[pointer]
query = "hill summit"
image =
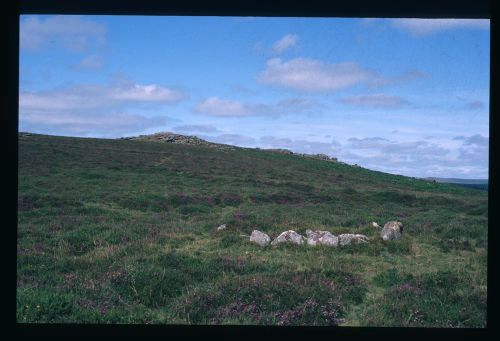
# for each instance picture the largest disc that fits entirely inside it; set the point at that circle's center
(169, 137)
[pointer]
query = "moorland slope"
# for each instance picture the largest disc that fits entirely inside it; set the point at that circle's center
(124, 231)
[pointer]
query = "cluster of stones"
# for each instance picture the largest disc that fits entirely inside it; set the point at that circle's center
(311, 156)
(313, 238)
(168, 137)
(391, 231)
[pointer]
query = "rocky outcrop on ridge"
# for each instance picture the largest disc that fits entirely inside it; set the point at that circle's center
(323, 157)
(168, 137)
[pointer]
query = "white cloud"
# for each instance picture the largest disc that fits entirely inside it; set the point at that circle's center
(97, 96)
(232, 139)
(458, 157)
(218, 107)
(285, 43)
(215, 106)
(71, 32)
(301, 145)
(203, 128)
(110, 124)
(367, 142)
(476, 139)
(98, 110)
(423, 27)
(377, 100)
(378, 80)
(313, 75)
(147, 93)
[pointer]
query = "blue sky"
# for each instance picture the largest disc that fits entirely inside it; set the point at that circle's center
(403, 96)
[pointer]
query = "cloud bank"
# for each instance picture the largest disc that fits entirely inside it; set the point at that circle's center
(311, 75)
(101, 110)
(113, 124)
(203, 128)
(215, 106)
(97, 96)
(461, 156)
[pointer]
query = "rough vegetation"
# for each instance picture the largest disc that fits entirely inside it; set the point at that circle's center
(125, 231)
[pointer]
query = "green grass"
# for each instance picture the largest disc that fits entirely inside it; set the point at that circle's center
(116, 231)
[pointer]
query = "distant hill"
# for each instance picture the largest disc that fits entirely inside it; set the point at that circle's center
(460, 181)
(481, 184)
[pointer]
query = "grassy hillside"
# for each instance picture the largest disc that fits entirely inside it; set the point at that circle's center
(119, 231)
